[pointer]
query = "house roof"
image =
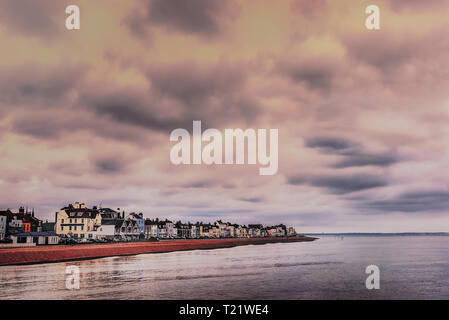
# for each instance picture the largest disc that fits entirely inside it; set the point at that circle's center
(107, 210)
(108, 213)
(81, 212)
(109, 223)
(5, 212)
(25, 217)
(138, 216)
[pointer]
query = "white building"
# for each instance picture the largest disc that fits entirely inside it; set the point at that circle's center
(41, 238)
(222, 229)
(230, 231)
(127, 229)
(193, 231)
(2, 227)
(106, 230)
(166, 229)
(138, 217)
(151, 229)
(291, 231)
(238, 231)
(169, 227)
(280, 232)
(15, 223)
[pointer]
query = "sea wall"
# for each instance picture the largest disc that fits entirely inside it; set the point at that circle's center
(58, 253)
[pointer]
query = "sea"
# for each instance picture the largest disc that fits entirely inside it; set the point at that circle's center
(332, 267)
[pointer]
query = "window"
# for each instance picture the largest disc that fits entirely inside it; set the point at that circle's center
(62, 220)
(70, 227)
(70, 220)
(75, 227)
(62, 228)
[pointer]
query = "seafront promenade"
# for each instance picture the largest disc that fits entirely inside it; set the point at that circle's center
(46, 254)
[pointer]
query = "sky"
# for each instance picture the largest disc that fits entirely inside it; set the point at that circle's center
(86, 115)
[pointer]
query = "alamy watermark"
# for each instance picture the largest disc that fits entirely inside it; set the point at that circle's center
(191, 151)
(372, 21)
(72, 22)
(373, 280)
(72, 279)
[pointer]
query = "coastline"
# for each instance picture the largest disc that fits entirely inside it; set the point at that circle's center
(61, 253)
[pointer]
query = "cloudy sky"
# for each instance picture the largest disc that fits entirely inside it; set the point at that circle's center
(362, 115)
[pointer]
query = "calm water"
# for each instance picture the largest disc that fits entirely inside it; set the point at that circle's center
(329, 268)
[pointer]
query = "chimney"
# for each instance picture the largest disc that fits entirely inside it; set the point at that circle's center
(32, 213)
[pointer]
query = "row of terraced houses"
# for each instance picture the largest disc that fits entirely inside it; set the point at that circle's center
(77, 221)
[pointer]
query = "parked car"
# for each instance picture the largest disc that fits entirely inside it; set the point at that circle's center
(71, 241)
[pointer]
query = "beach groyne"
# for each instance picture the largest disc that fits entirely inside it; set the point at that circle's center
(59, 253)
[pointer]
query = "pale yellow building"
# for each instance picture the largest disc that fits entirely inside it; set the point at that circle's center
(76, 221)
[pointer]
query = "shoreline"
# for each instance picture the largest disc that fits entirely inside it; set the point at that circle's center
(62, 253)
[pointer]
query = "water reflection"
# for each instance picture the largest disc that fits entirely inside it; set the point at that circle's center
(411, 267)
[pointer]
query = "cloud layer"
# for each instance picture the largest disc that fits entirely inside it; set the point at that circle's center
(362, 116)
